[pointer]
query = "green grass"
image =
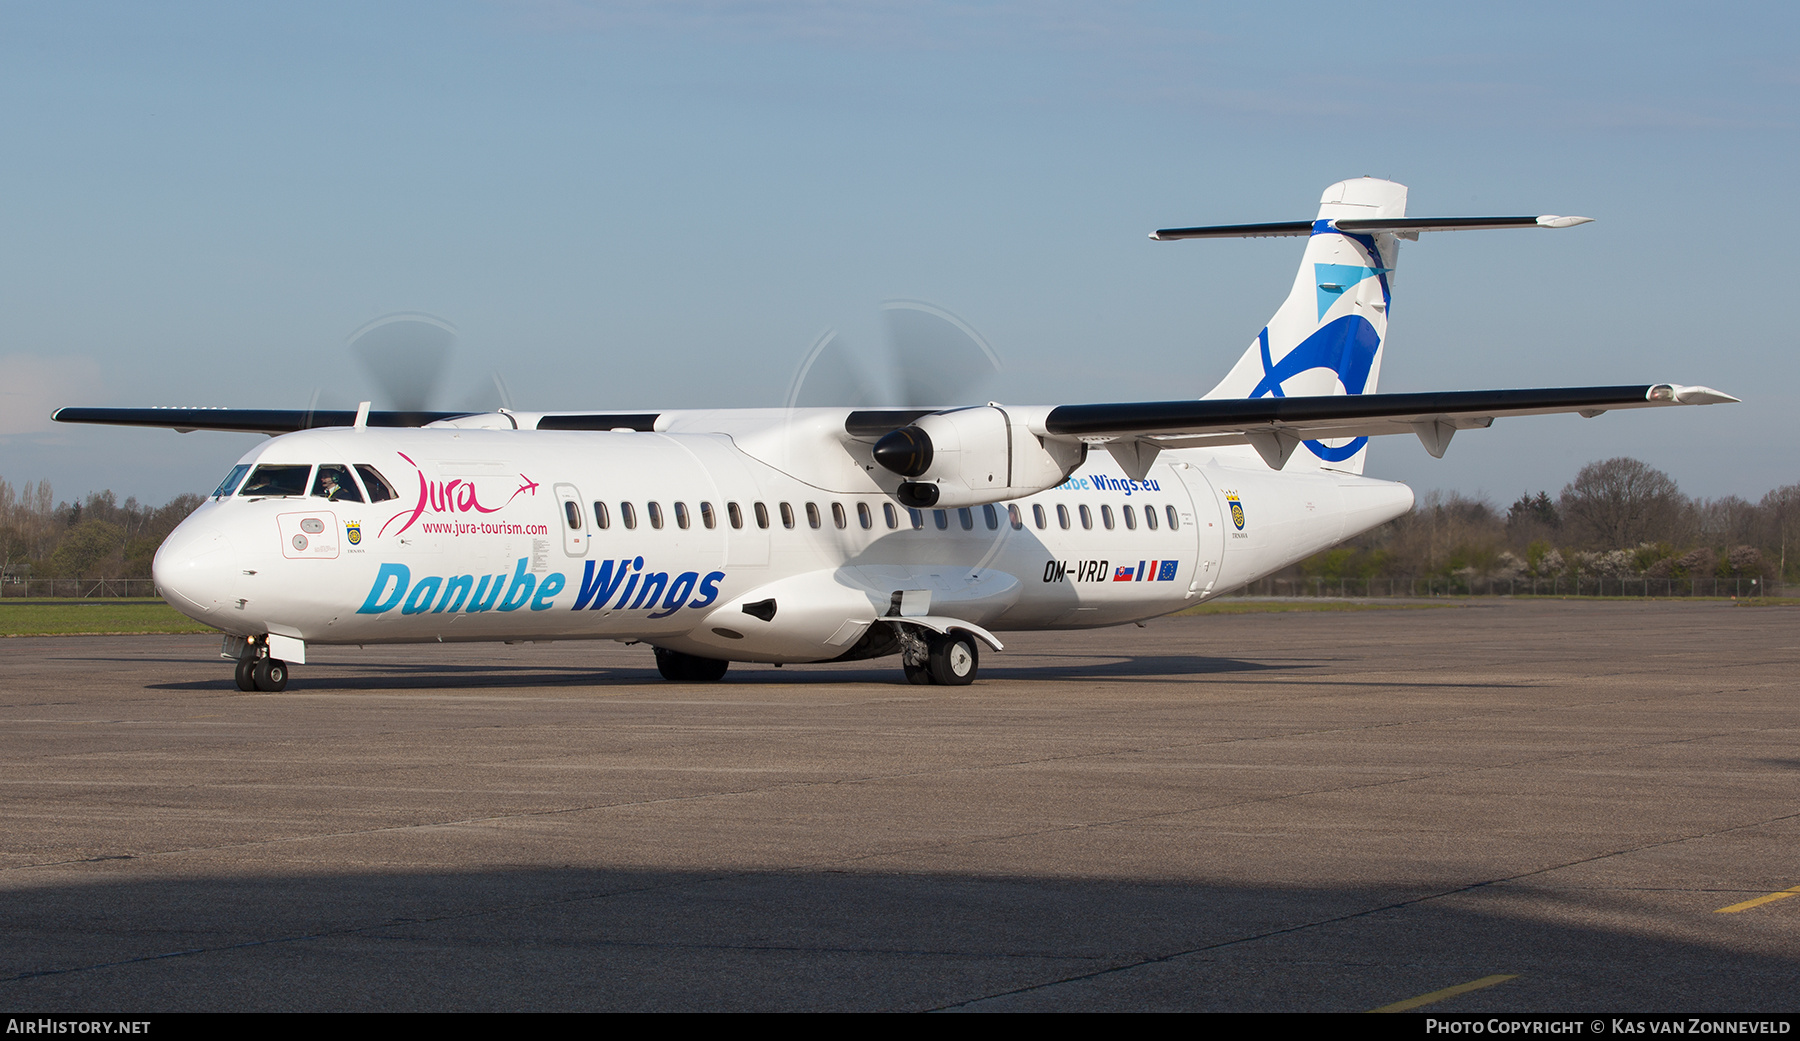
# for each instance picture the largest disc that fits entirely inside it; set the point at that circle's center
(1283, 606)
(41, 617)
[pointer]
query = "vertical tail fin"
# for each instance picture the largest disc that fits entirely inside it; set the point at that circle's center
(1327, 335)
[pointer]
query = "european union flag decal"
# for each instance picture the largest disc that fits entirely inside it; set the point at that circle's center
(1167, 572)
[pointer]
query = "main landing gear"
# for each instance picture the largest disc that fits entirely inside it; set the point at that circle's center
(268, 675)
(677, 667)
(948, 659)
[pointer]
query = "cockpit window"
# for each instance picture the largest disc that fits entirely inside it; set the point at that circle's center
(379, 489)
(276, 480)
(230, 483)
(334, 483)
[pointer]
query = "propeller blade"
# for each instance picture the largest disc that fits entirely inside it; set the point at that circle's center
(489, 396)
(406, 355)
(939, 359)
(833, 374)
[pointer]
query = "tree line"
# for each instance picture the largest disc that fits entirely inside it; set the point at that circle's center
(93, 538)
(1620, 519)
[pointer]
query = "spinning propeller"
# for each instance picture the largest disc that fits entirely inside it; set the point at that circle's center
(406, 356)
(927, 358)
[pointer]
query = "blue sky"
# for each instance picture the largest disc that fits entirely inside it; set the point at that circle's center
(663, 204)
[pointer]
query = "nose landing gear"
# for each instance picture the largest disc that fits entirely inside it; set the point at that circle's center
(256, 671)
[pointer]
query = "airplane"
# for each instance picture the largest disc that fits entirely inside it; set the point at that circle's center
(798, 535)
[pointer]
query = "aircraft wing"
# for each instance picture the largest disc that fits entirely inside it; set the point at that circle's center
(274, 421)
(1275, 425)
(244, 420)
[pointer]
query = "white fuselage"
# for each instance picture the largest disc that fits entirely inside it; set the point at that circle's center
(697, 536)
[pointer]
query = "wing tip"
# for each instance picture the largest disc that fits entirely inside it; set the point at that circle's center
(1691, 395)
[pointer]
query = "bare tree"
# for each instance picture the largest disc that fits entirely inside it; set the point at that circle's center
(1621, 502)
(1781, 512)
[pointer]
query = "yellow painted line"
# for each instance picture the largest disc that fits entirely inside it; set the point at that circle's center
(1440, 995)
(1767, 898)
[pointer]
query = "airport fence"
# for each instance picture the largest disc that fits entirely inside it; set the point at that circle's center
(1478, 585)
(78, 588)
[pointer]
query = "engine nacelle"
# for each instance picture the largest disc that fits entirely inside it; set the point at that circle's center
(971, 456)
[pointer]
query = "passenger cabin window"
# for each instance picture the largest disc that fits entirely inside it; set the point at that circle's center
(379, 488)
(1149, 517)
(942, 519)
(1130, 517)
(230, 483)
(1106, 517)
(1062, 516)
(1087, 517)
(838, 517)
(681, 515)
(1173, 522)
(918, 518)
(707, 516)
(812, 514)
(601, 520)
(572, 513)
(787, 516)
(1037, 517)
(628, 515)
(863, 517)
(735, 514)
(655, 512)
(891, 515)
(275, 480)
(992, 516)
(762, 515)
(334, 484)
(967, 517)
(1017, 518)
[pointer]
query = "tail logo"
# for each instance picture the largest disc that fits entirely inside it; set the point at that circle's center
(1347, 346)
(1334, 280)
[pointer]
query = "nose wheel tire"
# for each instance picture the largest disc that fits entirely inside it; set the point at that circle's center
(954, 660)
(245, 675)
(271, 675)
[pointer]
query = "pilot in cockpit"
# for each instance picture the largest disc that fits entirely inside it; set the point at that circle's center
(334, 485)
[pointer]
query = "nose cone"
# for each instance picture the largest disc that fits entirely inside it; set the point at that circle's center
(196, 571)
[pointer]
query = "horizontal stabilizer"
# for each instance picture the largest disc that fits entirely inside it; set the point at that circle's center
(1404, 226)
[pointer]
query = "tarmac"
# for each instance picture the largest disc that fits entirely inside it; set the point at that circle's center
(1497, 805)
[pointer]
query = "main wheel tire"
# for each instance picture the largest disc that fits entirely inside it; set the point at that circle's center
(271, 675)
(245, 674)
(954, 660)
(677, 667)
(918, 675)
(706, 670)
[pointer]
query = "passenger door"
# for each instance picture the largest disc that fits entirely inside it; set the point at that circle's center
(573, 521)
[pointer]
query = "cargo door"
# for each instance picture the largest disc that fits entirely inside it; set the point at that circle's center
(1204, 521)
